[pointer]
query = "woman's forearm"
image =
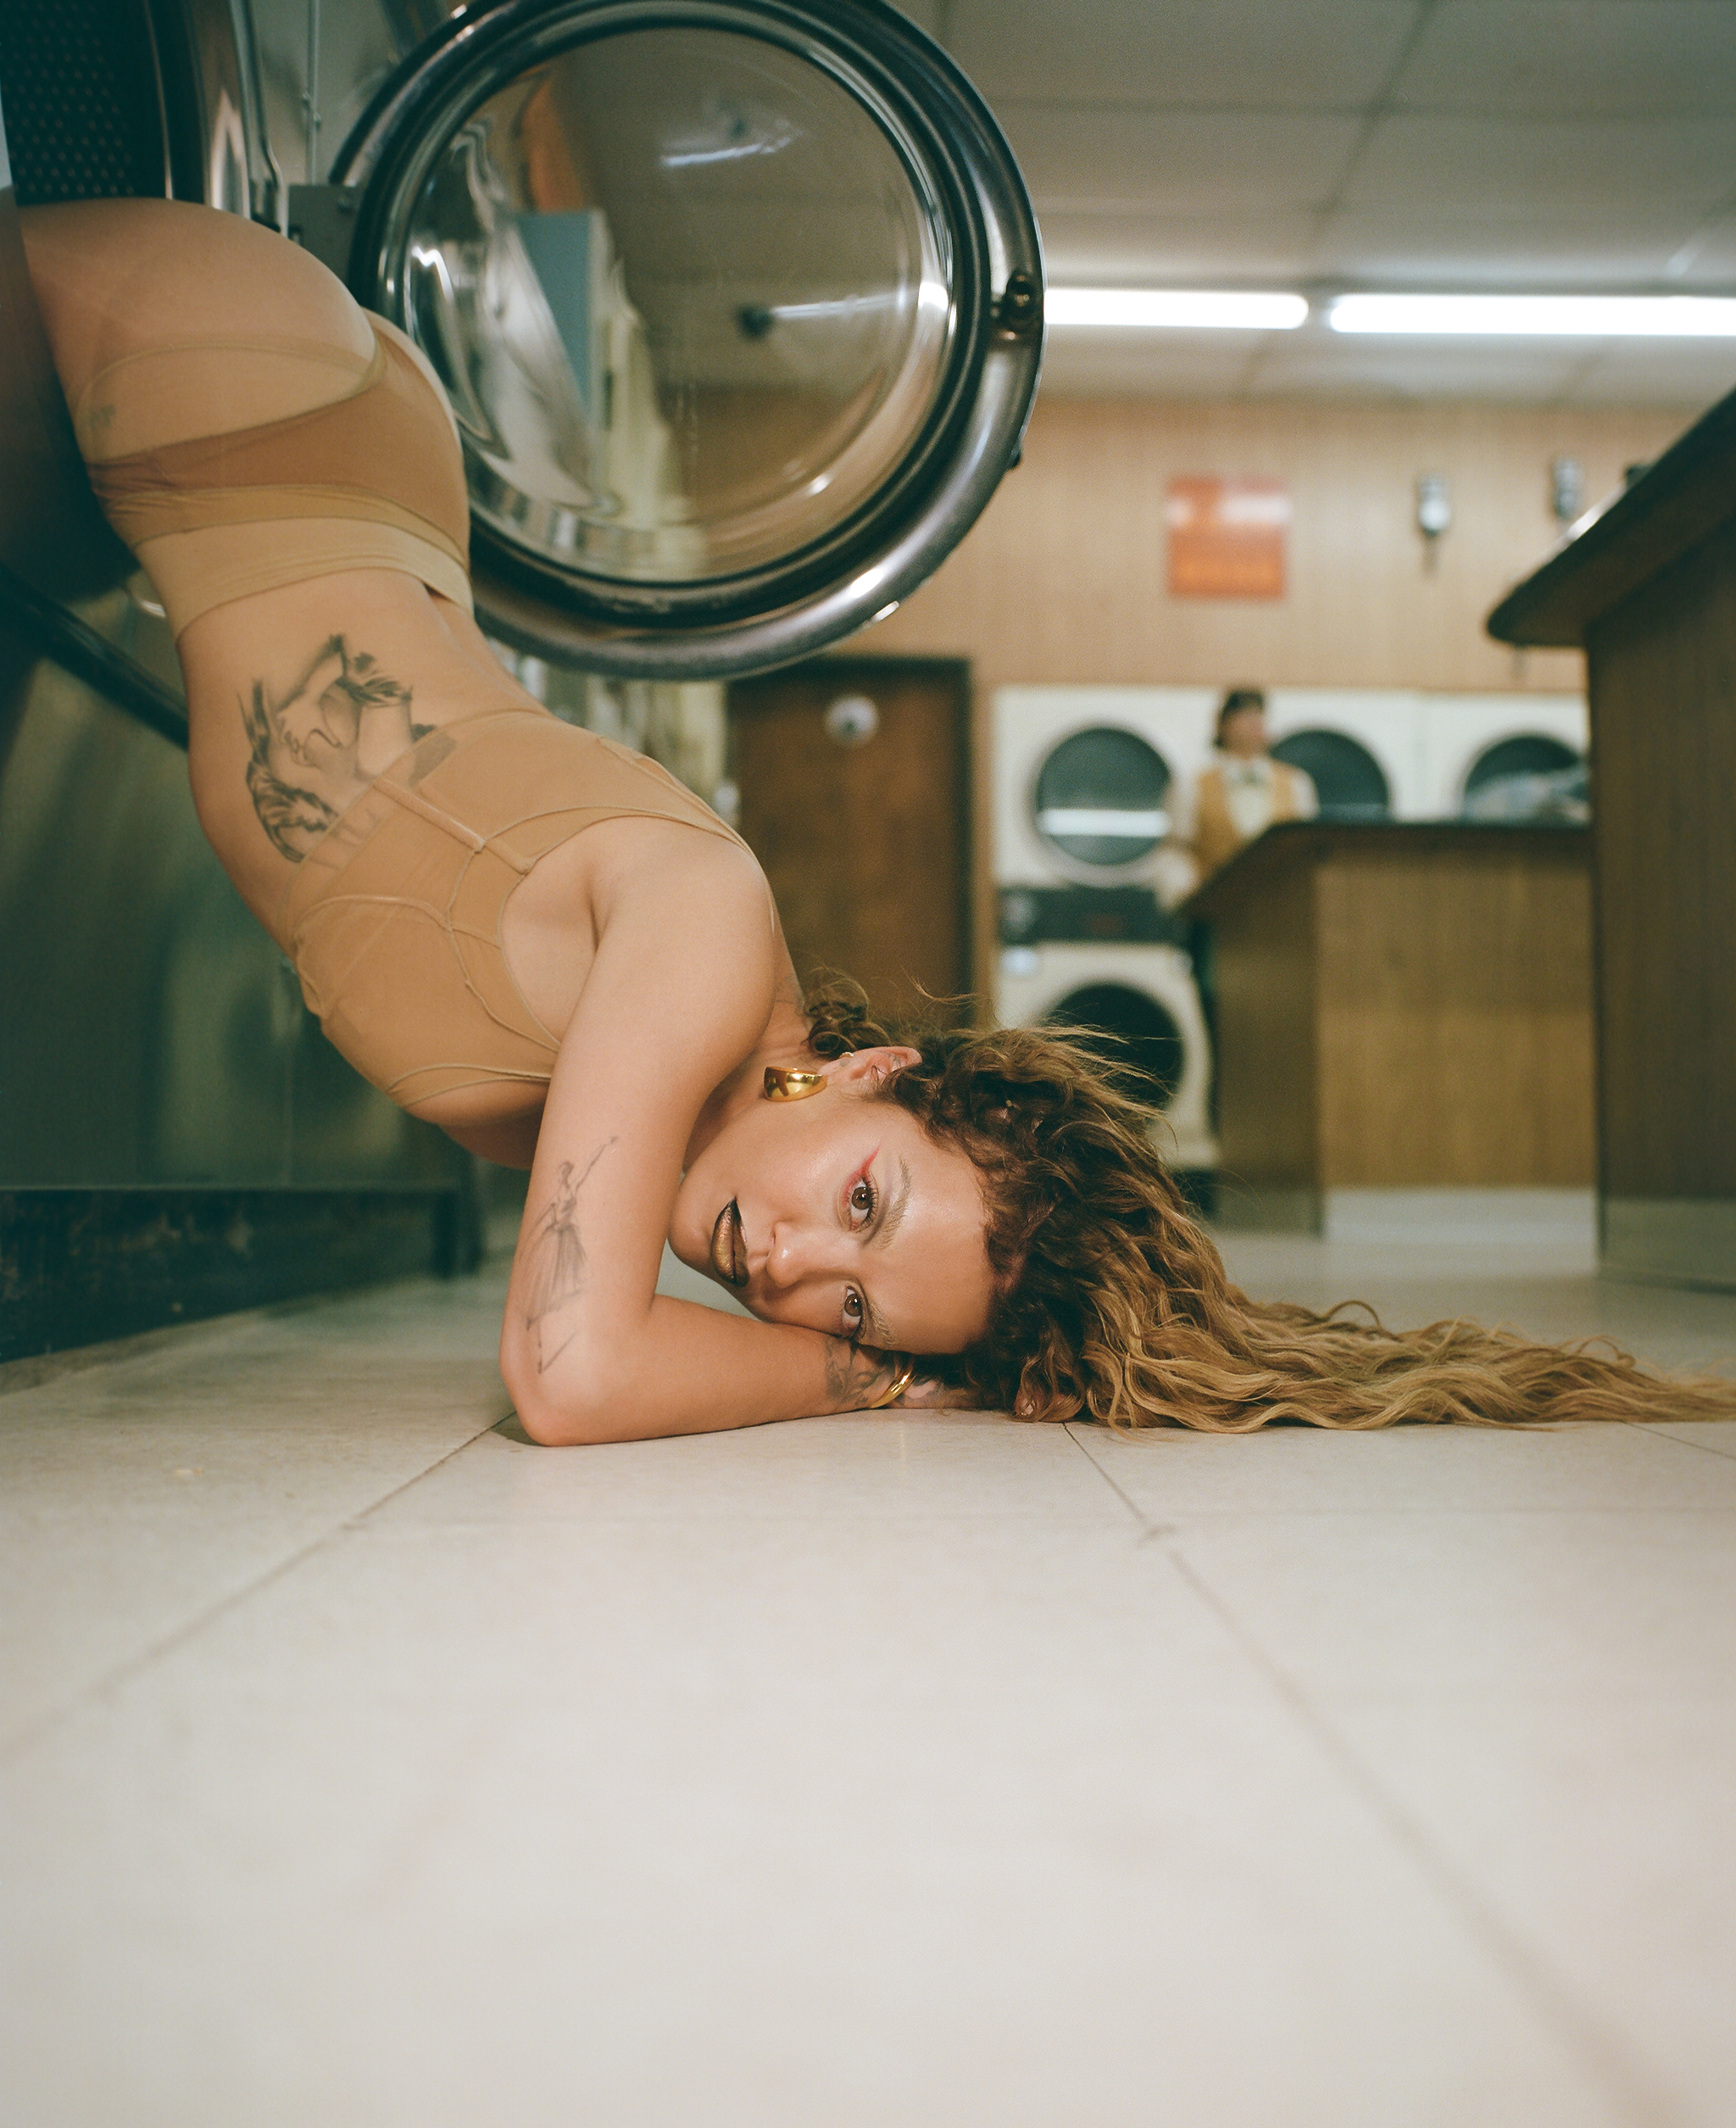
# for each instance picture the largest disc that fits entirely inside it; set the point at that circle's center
(684, 1369)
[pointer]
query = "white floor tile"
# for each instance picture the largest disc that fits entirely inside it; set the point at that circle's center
(892, 1466)
(371, 1767)
(135, 1497)
(1169, 1474)
(1545, 1291)
(1717, 1437)
(1623, 1603)
(1603, 1832)
(666, 1821)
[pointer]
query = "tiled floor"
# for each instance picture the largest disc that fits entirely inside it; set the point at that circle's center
(364, 1765)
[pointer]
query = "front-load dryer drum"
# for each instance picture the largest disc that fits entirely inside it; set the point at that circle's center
(1143, 998)
(738, 304)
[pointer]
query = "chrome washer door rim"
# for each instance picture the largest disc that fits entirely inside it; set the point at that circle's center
(823, 589)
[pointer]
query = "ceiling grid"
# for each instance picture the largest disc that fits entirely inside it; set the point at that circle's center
(1524, 146)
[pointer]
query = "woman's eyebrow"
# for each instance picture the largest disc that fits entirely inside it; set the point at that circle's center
(894, 1212)
(877, 1325)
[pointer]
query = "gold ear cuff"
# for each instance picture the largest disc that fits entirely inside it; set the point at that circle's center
(781, 1085)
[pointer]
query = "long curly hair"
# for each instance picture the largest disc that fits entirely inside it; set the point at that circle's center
(1112, 1302)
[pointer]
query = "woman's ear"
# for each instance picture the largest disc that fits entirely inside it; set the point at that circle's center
(872, 1067)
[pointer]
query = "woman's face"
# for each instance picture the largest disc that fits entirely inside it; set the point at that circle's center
(839, 1213)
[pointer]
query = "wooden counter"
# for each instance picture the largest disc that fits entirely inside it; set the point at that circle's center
(1399, 1006)
(1649, 587)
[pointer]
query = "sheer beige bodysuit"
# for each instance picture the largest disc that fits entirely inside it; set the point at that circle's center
(393, 917)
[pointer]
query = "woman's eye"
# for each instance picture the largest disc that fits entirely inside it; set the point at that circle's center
(862, 1198)
(853, 1310)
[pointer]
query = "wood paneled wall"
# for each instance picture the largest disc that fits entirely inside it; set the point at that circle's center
(1663, 667)
(1063, 579)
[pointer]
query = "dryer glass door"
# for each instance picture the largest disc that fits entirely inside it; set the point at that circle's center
(738, 302)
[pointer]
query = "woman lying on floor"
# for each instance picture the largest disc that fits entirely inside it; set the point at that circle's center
(541, 942)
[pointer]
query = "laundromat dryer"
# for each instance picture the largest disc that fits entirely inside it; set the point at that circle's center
(1082, 781)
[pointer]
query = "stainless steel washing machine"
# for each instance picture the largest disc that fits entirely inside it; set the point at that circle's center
(738, 302)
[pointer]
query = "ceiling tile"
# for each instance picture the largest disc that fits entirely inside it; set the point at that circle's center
(1572, 168)
(1424, 244)
(1570, 59)
(1194, 249)
(1323, 55)
(1319, 362)
(1205, 162)
(1692, 373)
(1150, 365)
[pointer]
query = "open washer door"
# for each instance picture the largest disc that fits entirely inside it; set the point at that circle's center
(738, 304)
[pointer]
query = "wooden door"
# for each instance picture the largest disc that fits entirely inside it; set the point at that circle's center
(855, 784)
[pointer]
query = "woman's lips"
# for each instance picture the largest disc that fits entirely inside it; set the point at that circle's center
(729, 1256)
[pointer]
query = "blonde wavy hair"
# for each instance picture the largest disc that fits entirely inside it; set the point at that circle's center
(1113, 1302)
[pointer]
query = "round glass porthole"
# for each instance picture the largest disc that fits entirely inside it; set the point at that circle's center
(1347, 780)
(738, 304)
(1529, 754)
(1098, 800)
(690, 307)
(1142, 1045)
(1530, 776)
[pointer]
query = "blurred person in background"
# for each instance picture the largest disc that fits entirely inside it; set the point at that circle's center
(1240, 793)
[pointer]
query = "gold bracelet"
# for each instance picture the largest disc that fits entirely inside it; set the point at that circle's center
(900, 1382)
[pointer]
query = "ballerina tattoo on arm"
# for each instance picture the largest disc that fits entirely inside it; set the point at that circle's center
(557, 1263)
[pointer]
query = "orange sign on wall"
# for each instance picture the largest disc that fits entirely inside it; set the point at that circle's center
(1226, 536)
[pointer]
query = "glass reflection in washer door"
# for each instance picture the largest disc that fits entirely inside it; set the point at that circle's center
(690, 303)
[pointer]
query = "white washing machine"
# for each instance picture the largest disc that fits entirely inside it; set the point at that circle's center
(1461, 732)
(1081, 782)
(1426, 743)
(1030, 724)
(1143, 992)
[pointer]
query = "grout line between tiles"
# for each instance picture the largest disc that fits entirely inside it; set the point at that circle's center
(1555, 2003)
(1631, 2081)
(1700, 1447)
(1149, 1530)
(119, 1674)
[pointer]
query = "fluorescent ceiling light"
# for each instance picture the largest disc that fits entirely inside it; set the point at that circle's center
(1186, 308)
(1600, 317)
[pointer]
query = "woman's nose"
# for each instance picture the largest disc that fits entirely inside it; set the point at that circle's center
(795, 1255)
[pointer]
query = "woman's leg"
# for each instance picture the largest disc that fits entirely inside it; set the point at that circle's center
(168, 322)
(117, 279)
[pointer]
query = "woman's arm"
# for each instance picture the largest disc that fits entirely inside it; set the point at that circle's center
(678, 995)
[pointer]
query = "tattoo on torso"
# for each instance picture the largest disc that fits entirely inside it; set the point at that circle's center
(555, 1267)
(317, 748)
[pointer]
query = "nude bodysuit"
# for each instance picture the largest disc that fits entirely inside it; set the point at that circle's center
(393, 918)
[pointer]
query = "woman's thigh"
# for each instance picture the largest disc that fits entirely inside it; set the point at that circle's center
(117, 279)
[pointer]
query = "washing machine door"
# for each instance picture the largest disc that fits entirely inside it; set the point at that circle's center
(738, 304)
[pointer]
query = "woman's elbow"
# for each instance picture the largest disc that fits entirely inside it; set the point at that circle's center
(565, 1406)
